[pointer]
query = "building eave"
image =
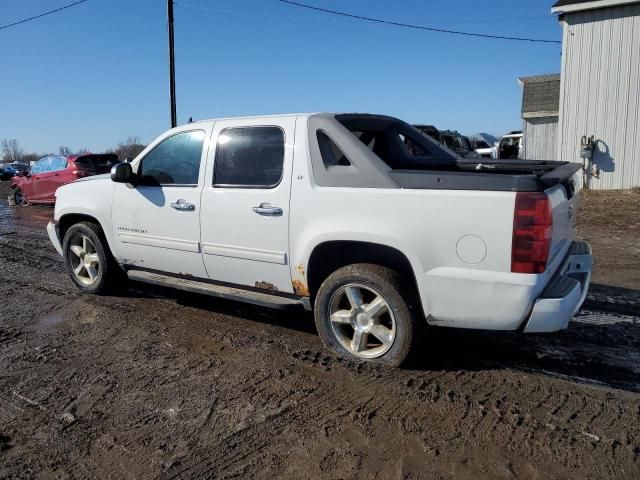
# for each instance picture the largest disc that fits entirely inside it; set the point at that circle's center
(578, 7)
(526, 115)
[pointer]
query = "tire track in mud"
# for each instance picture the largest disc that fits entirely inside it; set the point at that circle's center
(564, 410)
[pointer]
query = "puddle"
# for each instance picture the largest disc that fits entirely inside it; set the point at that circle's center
(7, 225)
(31, 217)
(50, 320)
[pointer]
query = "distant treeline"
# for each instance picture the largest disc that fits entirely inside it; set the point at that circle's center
(12, 151)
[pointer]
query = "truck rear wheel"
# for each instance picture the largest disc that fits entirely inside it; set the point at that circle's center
(87, 258)
(361, 313)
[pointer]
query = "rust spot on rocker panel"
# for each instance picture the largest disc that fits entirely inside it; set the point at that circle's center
(130, 261)
(266, 286)
(300, 288)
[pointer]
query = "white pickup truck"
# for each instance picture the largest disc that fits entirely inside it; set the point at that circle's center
(360, 218)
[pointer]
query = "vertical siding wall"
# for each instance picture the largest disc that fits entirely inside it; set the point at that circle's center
(540, 138)
(600, 92)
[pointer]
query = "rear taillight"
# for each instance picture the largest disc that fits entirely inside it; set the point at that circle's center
(79, 173)
(532, 229)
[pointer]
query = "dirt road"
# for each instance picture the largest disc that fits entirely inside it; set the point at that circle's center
(150, 383)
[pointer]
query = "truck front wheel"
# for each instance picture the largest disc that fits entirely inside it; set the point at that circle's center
(361, 313)
(87, 258)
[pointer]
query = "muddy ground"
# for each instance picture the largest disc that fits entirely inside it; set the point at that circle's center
(150, 383)
(610, 221)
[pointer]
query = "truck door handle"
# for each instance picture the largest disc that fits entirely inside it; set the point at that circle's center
(267, 210)
(183, 206)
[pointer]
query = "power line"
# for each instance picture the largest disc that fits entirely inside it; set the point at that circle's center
(236, 12)
(419, 27)
(432, 22)
(42, 15)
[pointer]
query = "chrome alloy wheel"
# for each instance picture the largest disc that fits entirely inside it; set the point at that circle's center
(362, 320)
(84, 259)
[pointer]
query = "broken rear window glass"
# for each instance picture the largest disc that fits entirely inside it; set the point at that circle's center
(100, 163)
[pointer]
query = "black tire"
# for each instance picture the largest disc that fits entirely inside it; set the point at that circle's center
(19, 198)
(107, 270)
(401, 302)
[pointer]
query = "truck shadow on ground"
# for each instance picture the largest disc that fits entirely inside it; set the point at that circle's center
(597, 354)
(601, 349)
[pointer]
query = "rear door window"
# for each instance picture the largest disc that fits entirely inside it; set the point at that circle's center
(250, 157)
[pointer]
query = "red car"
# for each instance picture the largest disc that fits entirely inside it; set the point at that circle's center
(39, 185)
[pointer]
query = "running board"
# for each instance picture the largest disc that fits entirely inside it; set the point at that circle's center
(215, 290)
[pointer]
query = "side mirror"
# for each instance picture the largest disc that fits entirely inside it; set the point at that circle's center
(122, 173)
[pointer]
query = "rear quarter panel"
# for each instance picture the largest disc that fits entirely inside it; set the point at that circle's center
(432, 228)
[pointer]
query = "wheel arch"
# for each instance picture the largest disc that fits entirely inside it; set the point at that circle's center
(69, 219)
(329, 256)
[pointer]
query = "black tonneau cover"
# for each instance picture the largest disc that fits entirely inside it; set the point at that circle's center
(494, 175)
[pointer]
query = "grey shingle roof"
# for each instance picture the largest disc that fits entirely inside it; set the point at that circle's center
(541, 95)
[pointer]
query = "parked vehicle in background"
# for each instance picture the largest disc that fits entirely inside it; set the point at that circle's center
(451, 139)
(483, 144)
(39, 184)
(431, 131)
(360, 218)
(10, 170)
(458, 143)
(510, 146)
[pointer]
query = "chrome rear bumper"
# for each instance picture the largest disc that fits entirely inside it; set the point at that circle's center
(565, 293)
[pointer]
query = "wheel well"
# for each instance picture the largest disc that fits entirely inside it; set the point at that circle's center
(328, 257)
(70, 219)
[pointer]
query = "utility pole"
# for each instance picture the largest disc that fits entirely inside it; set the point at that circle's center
(172, 65)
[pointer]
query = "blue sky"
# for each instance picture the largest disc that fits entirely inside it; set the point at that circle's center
(94, 74)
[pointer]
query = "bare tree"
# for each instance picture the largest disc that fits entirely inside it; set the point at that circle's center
(30, 157)
(11, 150)
(130, 148)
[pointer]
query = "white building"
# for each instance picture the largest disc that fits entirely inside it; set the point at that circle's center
(600, 88)
(540, 110)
